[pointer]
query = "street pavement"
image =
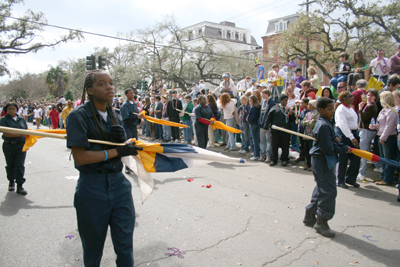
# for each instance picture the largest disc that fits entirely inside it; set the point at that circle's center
(251, 216)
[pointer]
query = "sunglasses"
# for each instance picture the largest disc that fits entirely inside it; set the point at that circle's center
(341, 86)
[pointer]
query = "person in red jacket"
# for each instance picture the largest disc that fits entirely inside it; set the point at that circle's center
(54, 117)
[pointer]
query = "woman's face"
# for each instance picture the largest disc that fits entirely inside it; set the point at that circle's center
(397, 99)
(102, 89)
(290, 93)
(349, 100)
(371, 98)
(326, 93)
(251, 102)
(226, 79)
(357, 56)
(11, 110)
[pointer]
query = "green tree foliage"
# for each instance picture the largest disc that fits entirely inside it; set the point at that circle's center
(69, 95)
(21, 36)
(336, 26)
(57, 79)
(25, 85)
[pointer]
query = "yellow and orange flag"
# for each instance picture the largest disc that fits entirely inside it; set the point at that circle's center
(31, 140)
(163, 122)
(222, 126)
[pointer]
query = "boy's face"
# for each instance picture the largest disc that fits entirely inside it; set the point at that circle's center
(284, 102)
(298, 74)
(303, 104)
(327, 112)
(264, 96)
(343, 59)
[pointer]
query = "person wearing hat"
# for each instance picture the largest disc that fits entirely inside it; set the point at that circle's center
(173, 115)
(260, 72)
(299, 77)
(289, 69)
(253, 85)
(228, 85)
(309, 122)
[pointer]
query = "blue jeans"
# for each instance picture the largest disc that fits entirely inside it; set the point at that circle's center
(245, 136)
(366, 137)
(388, 151)
(188, 132)
(231, 140)
(263, 143)
(338, 79)
(255, 134)
(167, 132)
(159, 131)
(295, 128)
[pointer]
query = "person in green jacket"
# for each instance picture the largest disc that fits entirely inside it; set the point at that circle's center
(359, 68)
(185, 118)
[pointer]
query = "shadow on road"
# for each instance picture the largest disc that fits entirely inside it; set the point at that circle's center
(220, 165)
(13, 203)
(369, 250)
(375, 192)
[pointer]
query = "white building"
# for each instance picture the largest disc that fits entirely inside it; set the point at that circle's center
(225, 35)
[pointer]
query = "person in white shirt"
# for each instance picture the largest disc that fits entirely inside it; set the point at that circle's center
(195, 90)
(296, 90)
(346, 128)
(25, 112)
(253, 86)
(202, 85)
(62, 100)
(277, 90)
(244, 85)
(380, 68)
(37, 113)
(228, 106)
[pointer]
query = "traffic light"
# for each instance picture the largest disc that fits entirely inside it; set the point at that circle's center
(102, 62)
(145, 86)
(139, 85)
(90, 62)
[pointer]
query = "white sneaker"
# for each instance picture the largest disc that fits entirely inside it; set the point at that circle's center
(254, 159)
(378, 170)
(242, 151)
(177, 141)
(361, 177)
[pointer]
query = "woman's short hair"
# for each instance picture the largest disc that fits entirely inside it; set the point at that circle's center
(388, 98)
(361, 83)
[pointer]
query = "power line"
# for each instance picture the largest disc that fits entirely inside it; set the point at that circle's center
(267, 10)
(249, 11)
(130, 40)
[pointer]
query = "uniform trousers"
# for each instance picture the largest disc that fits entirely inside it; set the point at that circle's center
(280, 140)
(175, 130)
(201, 133)
(102, 200)
(15, 160)
(323, 199)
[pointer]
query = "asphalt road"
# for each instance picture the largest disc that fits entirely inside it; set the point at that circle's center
(251, 216)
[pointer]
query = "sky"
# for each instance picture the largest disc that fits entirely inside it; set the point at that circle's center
(124, 16)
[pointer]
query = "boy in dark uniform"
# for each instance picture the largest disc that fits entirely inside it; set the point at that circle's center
(324, 158)
(12, 148)
(173, 115)
(280, 116)
(130, 120)
(203, 114)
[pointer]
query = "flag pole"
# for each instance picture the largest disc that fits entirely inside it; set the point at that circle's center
(51, 135)
(292, 132)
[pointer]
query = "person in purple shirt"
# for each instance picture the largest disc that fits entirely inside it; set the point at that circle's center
(299, 78)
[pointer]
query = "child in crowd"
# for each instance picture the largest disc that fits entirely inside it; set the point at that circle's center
(309, 122)
(303, 107)
(252, 119)
(344, 70)
(280, 116)
(243, 111)
(324, 158)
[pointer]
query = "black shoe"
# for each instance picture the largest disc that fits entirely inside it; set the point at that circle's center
(272, 164)
(398, 198)
(285, 163)
(11, 187)
(322, 228)
(21, 190)
(343, 185)
(356, 185)
(298, 159)
(309, 219)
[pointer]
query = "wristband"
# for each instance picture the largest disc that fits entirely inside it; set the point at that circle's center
(105, 152)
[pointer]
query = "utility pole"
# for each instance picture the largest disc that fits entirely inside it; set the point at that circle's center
(308, 41)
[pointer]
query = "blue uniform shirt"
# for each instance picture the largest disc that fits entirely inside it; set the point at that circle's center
(20, 123)
(81, 126)
(127, 110)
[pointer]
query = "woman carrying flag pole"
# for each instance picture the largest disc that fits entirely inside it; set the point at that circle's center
(103, 195)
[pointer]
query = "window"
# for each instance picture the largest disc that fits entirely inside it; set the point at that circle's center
(251, 56)
(271, 49)
(233, 35)
(223, 33)
(240, 36)
(281, 26)
(260, 55)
